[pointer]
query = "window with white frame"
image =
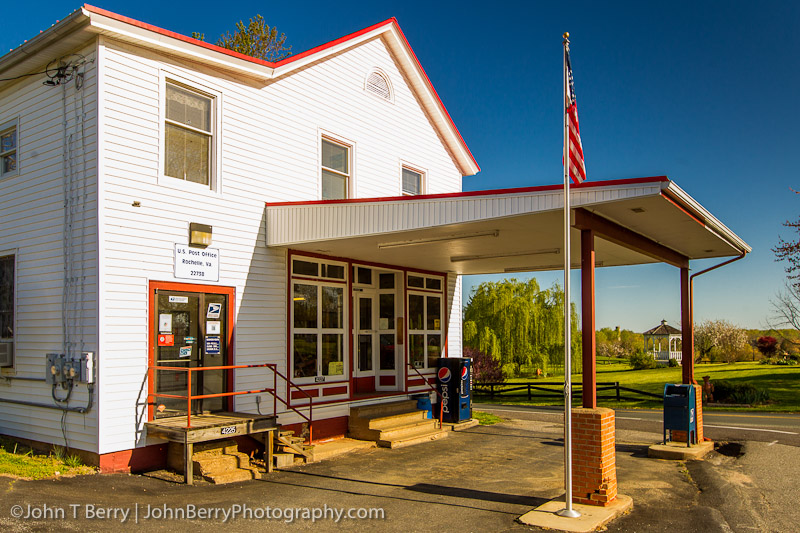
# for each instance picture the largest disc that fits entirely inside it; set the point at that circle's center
(318, 312)
(8, 149)
(412, 182)
(189, 135)
(425, 324)
(335, 170)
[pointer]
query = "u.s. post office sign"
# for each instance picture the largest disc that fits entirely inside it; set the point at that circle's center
(196, 263)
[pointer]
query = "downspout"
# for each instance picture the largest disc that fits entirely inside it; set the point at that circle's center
(691, 294)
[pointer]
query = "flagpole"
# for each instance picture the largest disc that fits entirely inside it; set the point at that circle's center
(567, 512)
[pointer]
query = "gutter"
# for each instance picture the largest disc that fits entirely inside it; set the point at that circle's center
(711, 223)
(73, 22)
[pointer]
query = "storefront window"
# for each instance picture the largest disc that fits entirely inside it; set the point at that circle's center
(318, 323)
(425, 328)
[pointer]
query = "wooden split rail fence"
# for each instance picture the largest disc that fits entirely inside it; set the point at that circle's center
(544, 389)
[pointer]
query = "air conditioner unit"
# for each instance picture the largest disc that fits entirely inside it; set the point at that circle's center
(6, 354)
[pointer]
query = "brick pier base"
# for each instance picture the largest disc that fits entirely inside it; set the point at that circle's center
(594, 469)
(680, 436)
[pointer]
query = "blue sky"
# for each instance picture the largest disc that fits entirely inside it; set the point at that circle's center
(703, 92)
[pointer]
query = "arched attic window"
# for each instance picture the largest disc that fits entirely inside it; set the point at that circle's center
(377, 84)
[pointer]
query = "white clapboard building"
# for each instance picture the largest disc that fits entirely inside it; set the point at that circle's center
(169, 203)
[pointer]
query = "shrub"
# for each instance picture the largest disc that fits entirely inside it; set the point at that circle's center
(729, 392)
(673, 363)
(509, 370)
(485, 368)
(640, 360)
(767, 345)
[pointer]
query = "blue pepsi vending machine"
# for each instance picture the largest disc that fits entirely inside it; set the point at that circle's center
(455, 388)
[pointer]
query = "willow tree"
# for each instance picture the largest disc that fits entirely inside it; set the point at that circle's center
(518, 322)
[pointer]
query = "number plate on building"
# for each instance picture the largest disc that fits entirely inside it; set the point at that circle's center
(230, 430)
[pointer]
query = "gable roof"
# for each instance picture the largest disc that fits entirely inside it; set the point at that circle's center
(88, 21)
(663, 329)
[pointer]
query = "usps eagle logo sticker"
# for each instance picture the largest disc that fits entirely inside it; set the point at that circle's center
(444, 375)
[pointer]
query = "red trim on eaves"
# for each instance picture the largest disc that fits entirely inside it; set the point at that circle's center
(435, 94)
(333, 43)
(167, 33)
(209, 46)
(290, 59)
(467, 194)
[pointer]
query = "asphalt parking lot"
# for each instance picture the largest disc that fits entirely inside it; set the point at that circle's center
(480, 479)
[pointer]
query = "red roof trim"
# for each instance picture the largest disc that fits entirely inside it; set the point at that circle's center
(435, 94)
(290, 59)
(174, 35)
(335, 42)
(467, 194)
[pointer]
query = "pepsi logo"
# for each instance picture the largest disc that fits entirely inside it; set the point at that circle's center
(464, 373)
(444, 375)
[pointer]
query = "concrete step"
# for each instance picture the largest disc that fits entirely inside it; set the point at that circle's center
(232, 476)
(337, 447)
(407, 430)
(410, 440)
(391, 421)
(383, 409)
(212, 463)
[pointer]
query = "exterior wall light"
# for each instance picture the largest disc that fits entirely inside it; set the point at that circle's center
(199, 235)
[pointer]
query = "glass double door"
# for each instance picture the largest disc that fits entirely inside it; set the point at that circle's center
(377, 353)
(191, 331)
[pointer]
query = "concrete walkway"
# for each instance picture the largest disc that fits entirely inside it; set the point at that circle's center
(480, 479)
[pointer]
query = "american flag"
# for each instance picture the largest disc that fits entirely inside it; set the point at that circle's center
(577, 170)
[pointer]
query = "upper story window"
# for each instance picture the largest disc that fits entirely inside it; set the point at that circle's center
(8, 149)
(412, 182)
(335, 170)
(189, 135)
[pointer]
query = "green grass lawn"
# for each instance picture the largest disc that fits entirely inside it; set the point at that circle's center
(782, 382)
(17, 460)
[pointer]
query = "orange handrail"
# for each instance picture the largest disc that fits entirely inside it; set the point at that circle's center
(189, 397)
(438, 394)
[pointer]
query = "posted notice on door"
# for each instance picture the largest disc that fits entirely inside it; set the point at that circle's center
(196, 263)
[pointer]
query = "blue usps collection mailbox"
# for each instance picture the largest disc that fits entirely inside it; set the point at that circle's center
(679, 415)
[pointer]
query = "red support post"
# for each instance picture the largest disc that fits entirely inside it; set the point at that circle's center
(687, 328)
(588, 320)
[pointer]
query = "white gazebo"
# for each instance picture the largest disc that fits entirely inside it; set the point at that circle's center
(664, 342)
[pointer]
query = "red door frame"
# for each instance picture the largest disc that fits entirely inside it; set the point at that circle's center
(153, 286)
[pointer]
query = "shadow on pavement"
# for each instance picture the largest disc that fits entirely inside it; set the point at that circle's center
(422, 488)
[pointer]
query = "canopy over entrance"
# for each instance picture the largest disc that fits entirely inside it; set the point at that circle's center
(637, 221)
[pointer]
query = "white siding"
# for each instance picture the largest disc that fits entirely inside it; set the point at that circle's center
(32, 227)
(269, 139)
(454, 312)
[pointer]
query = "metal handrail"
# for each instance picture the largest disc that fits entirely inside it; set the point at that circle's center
(438, 394)
(189, 397)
